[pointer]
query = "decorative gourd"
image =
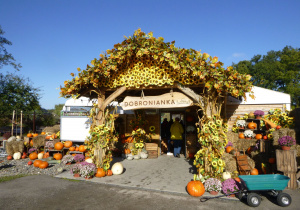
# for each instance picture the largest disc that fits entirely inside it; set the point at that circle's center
(58, 146)
(254, 171)
(29, 135)
(31, 143)
(29, 163)
(89, 160)
(40, 155)
(117, 168)
(43, 133)
(258, 136)
(54, 136)
(100, 172)
(252, 125)
(241, 136)
(57, 156)
(127, 151)
(24, 155)
(109, 172)
(270, 123)
(46, 155)
(72, 148)
(68, 144)
(17, 155)
(37, 163)
(43, 164)
(81, 148)
(35, 135)
(144, 155)
(272, 160)
(226, 175)
(195, 188)
(278, 127)
(33, 156)
(9, 157)
(48, 137)
(228, 149)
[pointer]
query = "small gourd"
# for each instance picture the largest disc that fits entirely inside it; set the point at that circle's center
(226, 175)
(89, 160)
(144, 155)
(117, 168)
(40, 155)
(17, 155)
(136, 157)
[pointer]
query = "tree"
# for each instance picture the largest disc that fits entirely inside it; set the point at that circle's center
(5, 57)
(16, 93)
(278, 70)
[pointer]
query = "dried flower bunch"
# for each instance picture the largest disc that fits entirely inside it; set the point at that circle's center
(79, 158)
(241, 123)
(286, 141)
(31, 150)
(87, 170)
(213, 184)
(229, 186)
(49, 144)
(67, 159)
(259, 113)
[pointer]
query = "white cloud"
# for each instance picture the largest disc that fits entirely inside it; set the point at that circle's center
(238, 55)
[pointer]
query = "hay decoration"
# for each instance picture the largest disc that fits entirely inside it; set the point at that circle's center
(14, 146)
(52, 130)
(38, 141)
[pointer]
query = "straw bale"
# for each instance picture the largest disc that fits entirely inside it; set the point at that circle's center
(233, 138)
(39, 141)
(14, 146)
(51, 130)
(231, 164)
(283, 132)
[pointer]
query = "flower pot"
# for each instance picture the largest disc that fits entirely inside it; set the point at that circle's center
(285, 148)
(76, 175)
(241, 127)
(68, 163)
(232, 195)
(213, 192)
(247, 137)
(88, 177)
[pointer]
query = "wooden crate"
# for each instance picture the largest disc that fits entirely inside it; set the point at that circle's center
(151, 146)
(152, 154)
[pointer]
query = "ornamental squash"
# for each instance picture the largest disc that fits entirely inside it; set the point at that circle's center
(17, 155)
(195, 188)
(226, 175)
(117, 168)
(58, 146)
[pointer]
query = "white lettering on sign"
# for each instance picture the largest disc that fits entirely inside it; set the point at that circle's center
(168, 100)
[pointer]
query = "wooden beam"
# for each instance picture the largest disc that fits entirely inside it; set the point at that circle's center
(189, 92)
(114, 95)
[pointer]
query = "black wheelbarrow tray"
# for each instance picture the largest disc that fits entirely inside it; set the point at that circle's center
(253, 185)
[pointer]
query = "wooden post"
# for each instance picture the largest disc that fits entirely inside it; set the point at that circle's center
(12, 123)
(286, 162)
(21, 124)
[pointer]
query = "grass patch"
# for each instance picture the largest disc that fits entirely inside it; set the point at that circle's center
(9, 178)
(72, 180)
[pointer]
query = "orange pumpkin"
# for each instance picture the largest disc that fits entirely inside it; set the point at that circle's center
(57, 156)
(68, 144)
(272, 160)
(37, 163)
(254, 171)
(81, 148)
(195, 188)
(58, 146)
(9, 157)
(33, 156)
(252, 125)
(35, 135)
(265, 137)
(109, 172)
(48, 137)
(258, 136)
(127, 151)
(46, 155)
(43, 133)
(54, 136)
(100, 172)
(278, 127)
(72, 148)
(241, 136)
(77, 149)
(29, 135)
(43, 164)
(31, 143)
(237, 179)
(228, 149)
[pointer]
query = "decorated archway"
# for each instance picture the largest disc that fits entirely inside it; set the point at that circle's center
(144, 62)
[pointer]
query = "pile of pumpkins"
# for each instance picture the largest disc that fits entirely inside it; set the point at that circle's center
(143, 154)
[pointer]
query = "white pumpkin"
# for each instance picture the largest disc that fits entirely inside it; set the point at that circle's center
(130, 158)
(136, 157)
(40, 155)
(144, 155)
(89, 160)
(17, 155)
(117, 168)
(226, 175)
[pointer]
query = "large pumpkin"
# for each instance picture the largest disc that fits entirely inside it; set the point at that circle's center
(117, 168)
(241, 136)
(57, 156)
(100, 172)
(81, 148)
(29, 135)
(33, 156)
(195, 188)
(254, 171)
(68, 144)
(37, 163)
(58, 146)
(252, 125)
(43, 164)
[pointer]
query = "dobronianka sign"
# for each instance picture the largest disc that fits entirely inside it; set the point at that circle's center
(168, 100)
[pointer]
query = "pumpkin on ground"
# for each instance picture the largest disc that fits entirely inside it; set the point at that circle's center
(37, 163)
(33, 156)
(17, 155)
(57, 156)
(100, 172)
(9, 157)
(117, 168)
(43, 164)
(81, 148)
(68, 144)
(195, 188)
(58, 146)
(254, 171)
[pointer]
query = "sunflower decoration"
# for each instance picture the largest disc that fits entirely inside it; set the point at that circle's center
(280, 118)
(152, 128)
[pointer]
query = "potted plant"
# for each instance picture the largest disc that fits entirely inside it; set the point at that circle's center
(248, 134)
(258, 114)
(79, 158)
(75, 170)
(67, 159)
(241, 124)
(31, 150)
(230, 186)
(286, 142)
(213, 186)
(49, 145)
(87, 170)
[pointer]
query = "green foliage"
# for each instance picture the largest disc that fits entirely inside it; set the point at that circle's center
(278, 70)
(16, 93)
(5, 57)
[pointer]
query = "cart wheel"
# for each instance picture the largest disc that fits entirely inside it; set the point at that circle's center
(284, 199)
(253, 200)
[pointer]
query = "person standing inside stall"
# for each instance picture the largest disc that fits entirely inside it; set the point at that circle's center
(176, 135)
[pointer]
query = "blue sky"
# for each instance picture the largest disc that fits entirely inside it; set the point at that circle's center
(51, 38)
